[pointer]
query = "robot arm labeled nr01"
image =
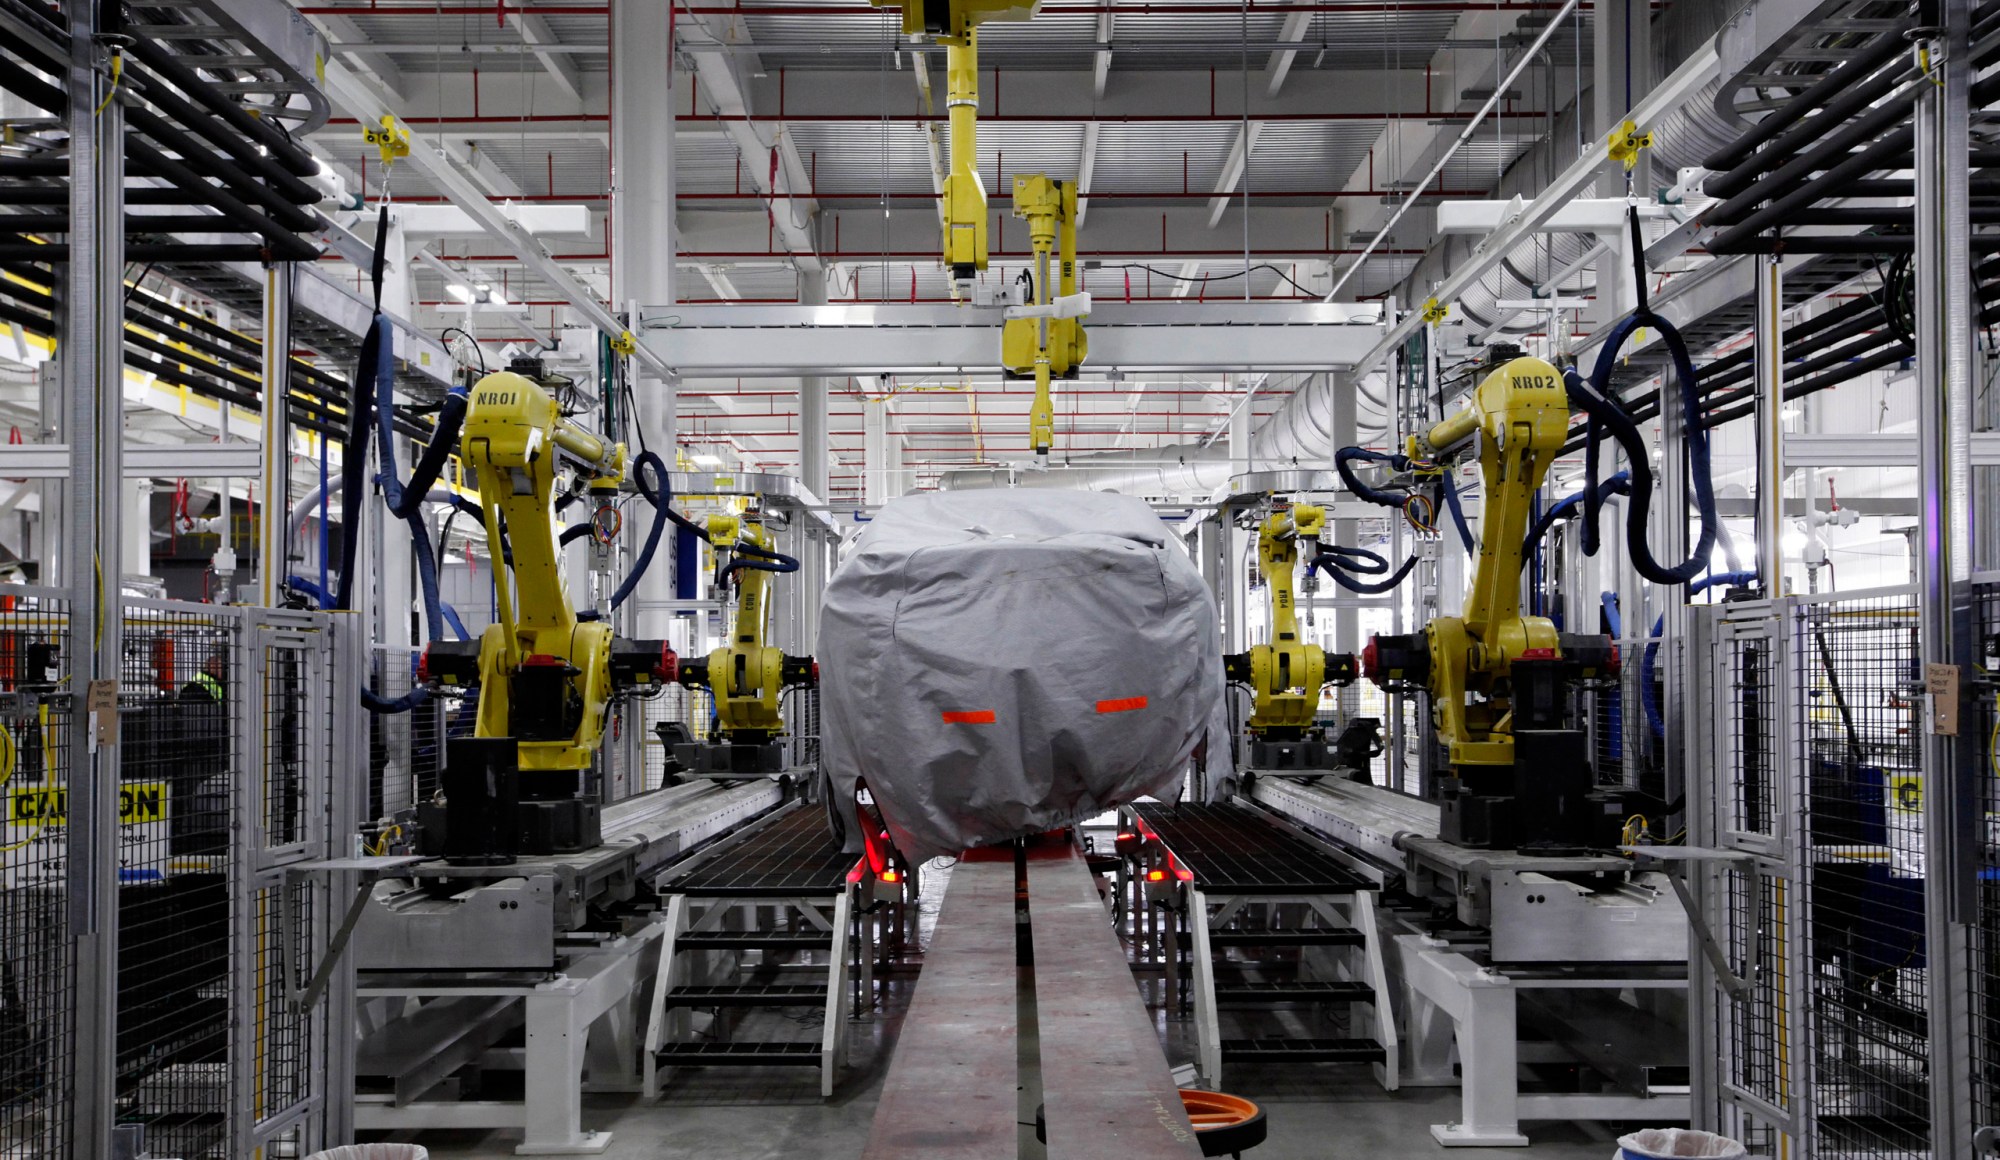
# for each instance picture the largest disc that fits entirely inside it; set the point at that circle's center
(1286, 674)
(523, 783)
(1501, 684)
(746, 677)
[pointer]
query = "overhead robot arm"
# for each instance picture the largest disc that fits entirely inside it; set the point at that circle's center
(1042, 338)
(545, 675)
(1499, 681)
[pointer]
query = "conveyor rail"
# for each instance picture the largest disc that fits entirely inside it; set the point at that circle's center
(1233, 849)
(950, 1090)
(794, 855)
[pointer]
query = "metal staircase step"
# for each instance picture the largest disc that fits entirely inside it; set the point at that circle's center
(1295, 992)
(1278, 1049)
(739, 1055)
(755, 940)
(749, 995)
(1329, 937)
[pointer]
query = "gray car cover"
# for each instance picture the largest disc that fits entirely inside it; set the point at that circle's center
(998, 663)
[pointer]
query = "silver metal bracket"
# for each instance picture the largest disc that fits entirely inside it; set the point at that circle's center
(1674, 861)
(371, 870)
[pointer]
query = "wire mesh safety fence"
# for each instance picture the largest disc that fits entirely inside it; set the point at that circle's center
(1621, 714)
(406, 750)
(36, 980)
(181, 709)
(226, 774)
(1812, 787)
(1861, 817)
(1984, 969)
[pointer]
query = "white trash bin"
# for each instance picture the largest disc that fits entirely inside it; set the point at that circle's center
(373, 1152)
(1675, 1144)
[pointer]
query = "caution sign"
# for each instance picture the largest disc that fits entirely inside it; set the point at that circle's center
(139, 802)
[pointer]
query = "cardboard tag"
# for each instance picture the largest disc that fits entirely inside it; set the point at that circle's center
(1941, 683)
(101, 702)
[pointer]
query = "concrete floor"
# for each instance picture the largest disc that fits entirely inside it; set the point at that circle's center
(1315, 1113)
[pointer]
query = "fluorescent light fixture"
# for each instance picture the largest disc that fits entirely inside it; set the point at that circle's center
(706, 460)
(460, 291)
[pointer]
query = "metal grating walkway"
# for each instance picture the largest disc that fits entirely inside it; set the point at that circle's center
(793, 856)
(1233, 849)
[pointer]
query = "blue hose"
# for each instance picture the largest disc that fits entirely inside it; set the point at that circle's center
(659, 493)
(374, 393)
(1450, 482)
(1337, 562)
(1619, 484)
(1595, 400)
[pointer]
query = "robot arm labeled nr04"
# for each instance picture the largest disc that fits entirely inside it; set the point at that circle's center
(746, 677)
(523, 783)
(1286, 674)
(1501, 683)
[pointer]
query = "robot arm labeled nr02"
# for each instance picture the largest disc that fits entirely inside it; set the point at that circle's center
(524, 782)
(1502, 684)
(746, 677)
(1286, 674)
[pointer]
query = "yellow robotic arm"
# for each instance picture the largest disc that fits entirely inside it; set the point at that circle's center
(545, 676)
(746, 676)
(955, 24)
(1049, 345)
(1497, 677)
(1285, 675)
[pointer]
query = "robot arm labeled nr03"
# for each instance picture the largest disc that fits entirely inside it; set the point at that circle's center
(523, 783)
(746, 677)
(1286, 674)
(1501, 683)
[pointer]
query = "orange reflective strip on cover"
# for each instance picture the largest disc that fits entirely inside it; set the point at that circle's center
(969, 717)
(1121, 705)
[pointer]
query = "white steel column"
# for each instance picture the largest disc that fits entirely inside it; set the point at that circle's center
(1769, 339)
(1951, 802)
(1346, 620)
(274, 492)
(644, 107)
(93, 367)
(874, 451)
(813, 451)
(136, 504)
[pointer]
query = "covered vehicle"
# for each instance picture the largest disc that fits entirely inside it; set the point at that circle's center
(998, 663)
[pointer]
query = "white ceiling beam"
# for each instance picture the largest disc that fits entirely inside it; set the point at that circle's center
(1086, 168)
(719, 282)
(561, 69)
(1281, 61)
(1184, 285)
(1100, 69)
(792, 214)
(364, 102)
(481, 168)
(1232, 171)
(590, 128)
(378, 65)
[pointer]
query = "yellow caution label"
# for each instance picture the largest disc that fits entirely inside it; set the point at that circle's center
(138, 802)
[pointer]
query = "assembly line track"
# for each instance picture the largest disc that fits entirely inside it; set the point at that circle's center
(1234, 849)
